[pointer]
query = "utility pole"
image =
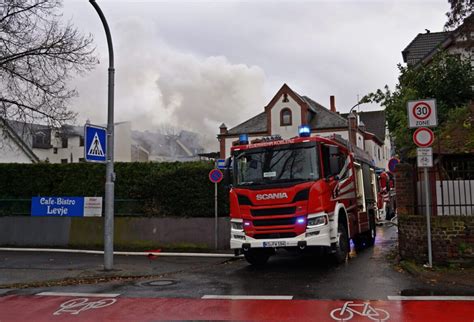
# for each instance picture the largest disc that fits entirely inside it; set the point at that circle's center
(109, 170)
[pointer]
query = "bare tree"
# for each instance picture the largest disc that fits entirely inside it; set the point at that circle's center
(38, 56)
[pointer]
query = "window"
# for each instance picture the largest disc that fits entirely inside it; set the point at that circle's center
(55, 150)
(282, 164)
(285, 117)
(334, 162)
(40, 138)
(64, 143)
(63, 160)
(81, 141)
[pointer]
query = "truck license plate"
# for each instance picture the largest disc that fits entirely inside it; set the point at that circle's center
(274, 244)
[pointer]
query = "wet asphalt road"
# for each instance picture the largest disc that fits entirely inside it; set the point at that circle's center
(367, 275)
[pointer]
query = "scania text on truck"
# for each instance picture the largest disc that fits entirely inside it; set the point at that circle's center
(299, 194)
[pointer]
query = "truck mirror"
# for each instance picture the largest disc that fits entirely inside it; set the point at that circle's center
(334, 162)
(228, 172)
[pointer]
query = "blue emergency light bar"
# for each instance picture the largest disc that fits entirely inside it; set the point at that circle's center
(243, 139)
(304, 131)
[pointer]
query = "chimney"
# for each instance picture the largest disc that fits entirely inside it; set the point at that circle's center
(332, 101)
(352, 119)
(223, 129)
(221, 138)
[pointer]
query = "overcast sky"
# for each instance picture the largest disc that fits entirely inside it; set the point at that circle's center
(197, 64)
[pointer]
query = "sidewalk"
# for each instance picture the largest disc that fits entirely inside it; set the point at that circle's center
(441, 275)
(22, 269)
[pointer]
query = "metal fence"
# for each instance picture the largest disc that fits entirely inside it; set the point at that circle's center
(22, 207)
(451, 187)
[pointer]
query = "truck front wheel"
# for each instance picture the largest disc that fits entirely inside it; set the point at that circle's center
(257, 257)
(342, 249)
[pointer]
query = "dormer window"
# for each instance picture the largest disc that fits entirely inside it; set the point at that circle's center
(40, 139)
(285, 117)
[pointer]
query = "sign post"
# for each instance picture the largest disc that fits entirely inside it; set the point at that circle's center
(215, 176)
(422, 114)
(109, 168)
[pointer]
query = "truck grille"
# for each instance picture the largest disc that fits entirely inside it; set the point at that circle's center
(274, 235)
(273, 211)
(275, 222)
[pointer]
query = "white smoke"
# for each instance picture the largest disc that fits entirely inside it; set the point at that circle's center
(156, 83)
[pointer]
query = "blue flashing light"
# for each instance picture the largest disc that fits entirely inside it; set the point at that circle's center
(300, 220)
(304, 131)
(243, 139)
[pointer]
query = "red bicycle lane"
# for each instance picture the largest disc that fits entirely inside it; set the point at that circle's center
(52, 308)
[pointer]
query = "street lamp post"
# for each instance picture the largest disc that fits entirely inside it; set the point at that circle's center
(109, 170)
(349, 124)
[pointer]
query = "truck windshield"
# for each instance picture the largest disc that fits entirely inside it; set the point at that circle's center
(277, 164)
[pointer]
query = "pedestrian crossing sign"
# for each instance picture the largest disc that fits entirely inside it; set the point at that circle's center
(95, 147)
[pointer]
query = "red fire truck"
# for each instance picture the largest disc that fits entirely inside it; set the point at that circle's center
(301, 193)
(386, 204)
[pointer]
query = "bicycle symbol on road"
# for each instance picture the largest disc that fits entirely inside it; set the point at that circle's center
(76, 306)
(347, 311)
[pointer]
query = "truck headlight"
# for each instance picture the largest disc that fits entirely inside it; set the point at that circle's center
(235, 225)
(317, 221)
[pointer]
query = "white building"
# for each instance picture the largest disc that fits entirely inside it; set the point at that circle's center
(12, 147)
(288, 110)
(31, 143)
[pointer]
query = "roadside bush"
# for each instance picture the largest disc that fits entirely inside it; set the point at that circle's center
(150, 189)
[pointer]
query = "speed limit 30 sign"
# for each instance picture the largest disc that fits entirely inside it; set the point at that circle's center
(422, 113)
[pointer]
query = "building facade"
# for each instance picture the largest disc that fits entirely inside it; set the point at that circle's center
(288, 110)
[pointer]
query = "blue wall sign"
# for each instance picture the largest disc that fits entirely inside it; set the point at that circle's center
(66, 206)
(57, 206)
(220, 164)
(95, 147)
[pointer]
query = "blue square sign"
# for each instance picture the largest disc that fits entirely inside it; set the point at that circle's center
(95, 147)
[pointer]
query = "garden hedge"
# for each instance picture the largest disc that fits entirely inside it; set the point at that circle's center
(153, 189)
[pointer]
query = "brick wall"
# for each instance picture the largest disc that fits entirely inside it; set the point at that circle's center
(405, 189)
(452, 238)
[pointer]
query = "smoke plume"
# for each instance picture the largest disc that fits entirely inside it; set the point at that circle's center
(157, 84)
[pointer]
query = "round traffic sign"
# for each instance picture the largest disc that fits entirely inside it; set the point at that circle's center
(423, 137)
(216, 176)
(421, 111)
(392, 164)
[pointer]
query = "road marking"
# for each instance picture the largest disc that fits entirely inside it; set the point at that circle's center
(100, 252)
(77, 294)
(247, 297)
(431, 298)
(76, 306)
